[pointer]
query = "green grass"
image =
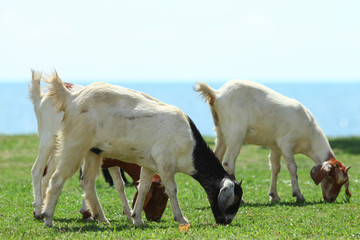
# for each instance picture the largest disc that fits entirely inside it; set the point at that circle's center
(257, 219)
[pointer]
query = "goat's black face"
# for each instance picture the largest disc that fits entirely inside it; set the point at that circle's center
(228, 201)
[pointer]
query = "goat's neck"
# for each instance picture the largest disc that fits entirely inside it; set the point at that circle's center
(320, 150)
(208, 170)
(209, 173)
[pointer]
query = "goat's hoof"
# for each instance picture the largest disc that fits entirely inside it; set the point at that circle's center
(48, 222)
(127, 214)
(274, 197)
(86, 215)
(104, 222)
(300, 199)
(138, 223)
(182, 220)
(90, 219)
(274, 200)
(37, 215)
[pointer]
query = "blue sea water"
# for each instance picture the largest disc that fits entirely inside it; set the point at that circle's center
(336, 106)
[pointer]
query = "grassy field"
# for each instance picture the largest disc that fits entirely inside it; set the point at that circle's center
(257, 219)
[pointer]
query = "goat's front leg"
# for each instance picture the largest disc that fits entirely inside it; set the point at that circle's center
(171, 190)
(291, 164)
(274, 160)
(120, 187)
(85, 209)
(92, 164)
(143, 188)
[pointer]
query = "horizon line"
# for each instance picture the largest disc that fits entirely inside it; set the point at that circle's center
(189, 80)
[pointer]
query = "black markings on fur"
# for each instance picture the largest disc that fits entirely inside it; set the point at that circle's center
(107, 177)
(96, 150)
(210, 174)
(207, 165)
(81, 176)
(45, 171)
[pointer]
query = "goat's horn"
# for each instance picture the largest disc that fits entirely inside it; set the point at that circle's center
(347, 169)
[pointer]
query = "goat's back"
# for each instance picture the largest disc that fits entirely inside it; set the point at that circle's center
(128, 125)
(262, 112)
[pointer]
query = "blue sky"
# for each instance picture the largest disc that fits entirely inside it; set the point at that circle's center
(164, 40)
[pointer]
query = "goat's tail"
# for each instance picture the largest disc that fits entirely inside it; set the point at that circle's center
(58, 92)
(206, 92)
(34, 88)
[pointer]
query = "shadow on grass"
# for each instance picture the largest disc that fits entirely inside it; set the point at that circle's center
(93, 226)
(349, 145)
(291, 204)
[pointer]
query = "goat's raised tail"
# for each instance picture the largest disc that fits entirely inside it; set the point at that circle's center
(58, 92)
(206, 92)
(34, 88)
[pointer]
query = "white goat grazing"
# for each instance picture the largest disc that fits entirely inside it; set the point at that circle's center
(49, 120)
(245, 111)
(116, 122)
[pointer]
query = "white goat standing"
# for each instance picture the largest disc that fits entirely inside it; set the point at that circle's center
(112, 121)
(245, 111)
(49, 120)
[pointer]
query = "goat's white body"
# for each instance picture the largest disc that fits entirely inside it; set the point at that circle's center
(269, 119)
(245, 111)
(49, 121)
(137, 132)
(145, 145)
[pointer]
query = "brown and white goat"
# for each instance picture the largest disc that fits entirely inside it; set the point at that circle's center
(244, 111)
(49, 119)
(103, 120)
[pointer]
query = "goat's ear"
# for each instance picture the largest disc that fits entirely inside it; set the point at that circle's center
(226, 194)
(320, 171)
(347, 192)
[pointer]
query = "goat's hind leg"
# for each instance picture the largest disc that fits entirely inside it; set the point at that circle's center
(220, 146)
(233, 143)
(91, 168)
(37, 172)
(68, 163)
